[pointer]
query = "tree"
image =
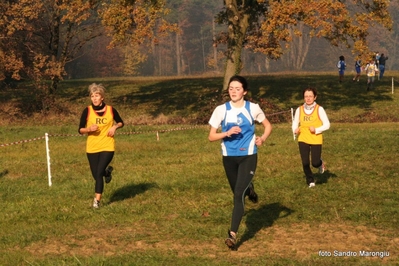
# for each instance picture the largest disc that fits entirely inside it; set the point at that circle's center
(43, 36)
(39, 37)
(299, 46)
(264, 26)
(12, 22)
(136, 24)
(386, 41)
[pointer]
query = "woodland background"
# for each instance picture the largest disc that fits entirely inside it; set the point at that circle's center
(186, 42)
(191, 50)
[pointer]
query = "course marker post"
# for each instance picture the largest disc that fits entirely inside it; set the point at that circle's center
(292, 120)
(392, 85)
(48, 161)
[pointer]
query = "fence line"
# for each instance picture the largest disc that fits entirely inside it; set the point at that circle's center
(46, 137)
(21, 141)
(119, 133)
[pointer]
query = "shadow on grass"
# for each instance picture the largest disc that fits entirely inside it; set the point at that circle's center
(130, 191)
(262, 218)
(197, 95)
(323, 178)
(180, 95)
(4, 173)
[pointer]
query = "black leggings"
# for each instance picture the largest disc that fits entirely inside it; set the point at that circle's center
(98, 163)
(239, 171)
(307, 150)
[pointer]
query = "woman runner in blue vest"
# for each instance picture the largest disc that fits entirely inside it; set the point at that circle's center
(239, 147)
(341, 68)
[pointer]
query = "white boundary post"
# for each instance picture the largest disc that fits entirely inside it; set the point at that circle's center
(292, 120)
(48, 161)
(392, 85)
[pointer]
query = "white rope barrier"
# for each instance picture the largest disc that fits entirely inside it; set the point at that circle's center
(21, 141)
(157, 131)
(46, 137)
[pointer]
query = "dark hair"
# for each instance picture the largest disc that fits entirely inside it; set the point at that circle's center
(310, 89)
(342, 58)
(240, 79)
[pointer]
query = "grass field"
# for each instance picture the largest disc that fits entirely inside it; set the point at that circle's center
(169, 202)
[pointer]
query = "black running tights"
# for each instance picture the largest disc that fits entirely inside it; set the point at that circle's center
(239, 171)
(306, 151)
(98, 163)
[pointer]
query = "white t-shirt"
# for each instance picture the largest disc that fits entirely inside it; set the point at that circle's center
(220, 112)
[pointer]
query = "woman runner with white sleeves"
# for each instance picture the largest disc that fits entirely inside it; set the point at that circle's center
(239, 147)
(309, 123)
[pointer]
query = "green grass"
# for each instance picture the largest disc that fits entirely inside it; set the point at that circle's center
(169, 202)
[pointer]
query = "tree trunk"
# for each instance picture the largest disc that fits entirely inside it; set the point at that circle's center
(54, 45)
(300, 45)
(267, 64)
(178, 55)
(238, 25)
(215, 48)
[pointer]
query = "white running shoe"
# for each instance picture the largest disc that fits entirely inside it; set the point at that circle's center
(322, 167)
(312, 184)
(96, 204)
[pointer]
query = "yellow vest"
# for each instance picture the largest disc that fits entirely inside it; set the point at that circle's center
(306, 121)
(98, 141)
(371, 69)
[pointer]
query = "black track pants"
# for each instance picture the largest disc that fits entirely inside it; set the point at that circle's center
(98, 163)
(307, 151)
(239, 171)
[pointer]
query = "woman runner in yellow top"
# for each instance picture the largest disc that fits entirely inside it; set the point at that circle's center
(309, 123)
(99, 121)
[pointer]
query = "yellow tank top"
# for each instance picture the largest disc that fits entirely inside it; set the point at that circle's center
(371, 69)
(99, 141)
(306, 121)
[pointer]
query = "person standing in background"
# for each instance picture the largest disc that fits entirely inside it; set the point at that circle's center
(377, 61)
(99, 121)
(377, 58)
(358, 69)
(341, 68)
(381, 65)
(239, 147)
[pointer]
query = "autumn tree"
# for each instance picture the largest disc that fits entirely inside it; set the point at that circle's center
(42, 36)
(11, 23)
(385, 41)
(135, 24)
(266, 26)
(39, 37)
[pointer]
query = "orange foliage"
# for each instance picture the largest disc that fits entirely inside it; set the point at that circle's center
(340, 22)
(135, 22)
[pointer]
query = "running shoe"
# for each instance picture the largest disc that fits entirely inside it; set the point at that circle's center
(312, 184)
(231, 241)
(108, 174)
(96, 203)
(252, 194)
(322, 167)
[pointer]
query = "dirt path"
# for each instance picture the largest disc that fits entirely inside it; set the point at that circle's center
(300, 241)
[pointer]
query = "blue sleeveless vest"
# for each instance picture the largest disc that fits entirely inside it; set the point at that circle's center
(239, 144)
